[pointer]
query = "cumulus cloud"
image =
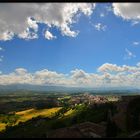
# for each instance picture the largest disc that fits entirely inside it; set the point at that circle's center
(120, 75)
(22, 76)
(107, 75)
(81, 77)
(113, 68)
(107, 67)
(79, 74)
(128, 11)
(46, 73)
(31, 31)
(21, 19)
(6, 35)
(49, 35)
(32, 24)
(27, 34)
(20, 71)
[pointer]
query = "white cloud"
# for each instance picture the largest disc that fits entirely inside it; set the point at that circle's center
(6, 35)
(107, 75)
(113, 68)
(136, 43)
(107, 67)
(20, 18)
(46, 73)
(121, 75)
(32, 24)
(49, 35)
(27, 34)
(80, 77)
(128, 11)
(22, 76)
(20, 71)
(47, 77)
(100, 27)
(79, 74)
(129, 54)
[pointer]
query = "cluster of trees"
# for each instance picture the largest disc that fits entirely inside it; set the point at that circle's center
(9, 119)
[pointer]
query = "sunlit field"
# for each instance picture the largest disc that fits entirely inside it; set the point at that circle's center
(23, 116)
(33, 113)
(69, 112)
(2, 126)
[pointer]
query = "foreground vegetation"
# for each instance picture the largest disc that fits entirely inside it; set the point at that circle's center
(36, 115)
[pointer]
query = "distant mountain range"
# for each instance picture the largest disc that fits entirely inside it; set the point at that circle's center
(17, 87)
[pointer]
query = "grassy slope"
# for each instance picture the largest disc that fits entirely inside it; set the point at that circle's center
(2, 126)
(27, 115)
(33, 113)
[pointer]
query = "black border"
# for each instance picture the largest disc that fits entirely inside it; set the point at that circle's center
(67, 1)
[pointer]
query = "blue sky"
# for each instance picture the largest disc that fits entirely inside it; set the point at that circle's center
(103, 37)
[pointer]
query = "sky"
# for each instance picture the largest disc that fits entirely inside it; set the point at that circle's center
(70, 44)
